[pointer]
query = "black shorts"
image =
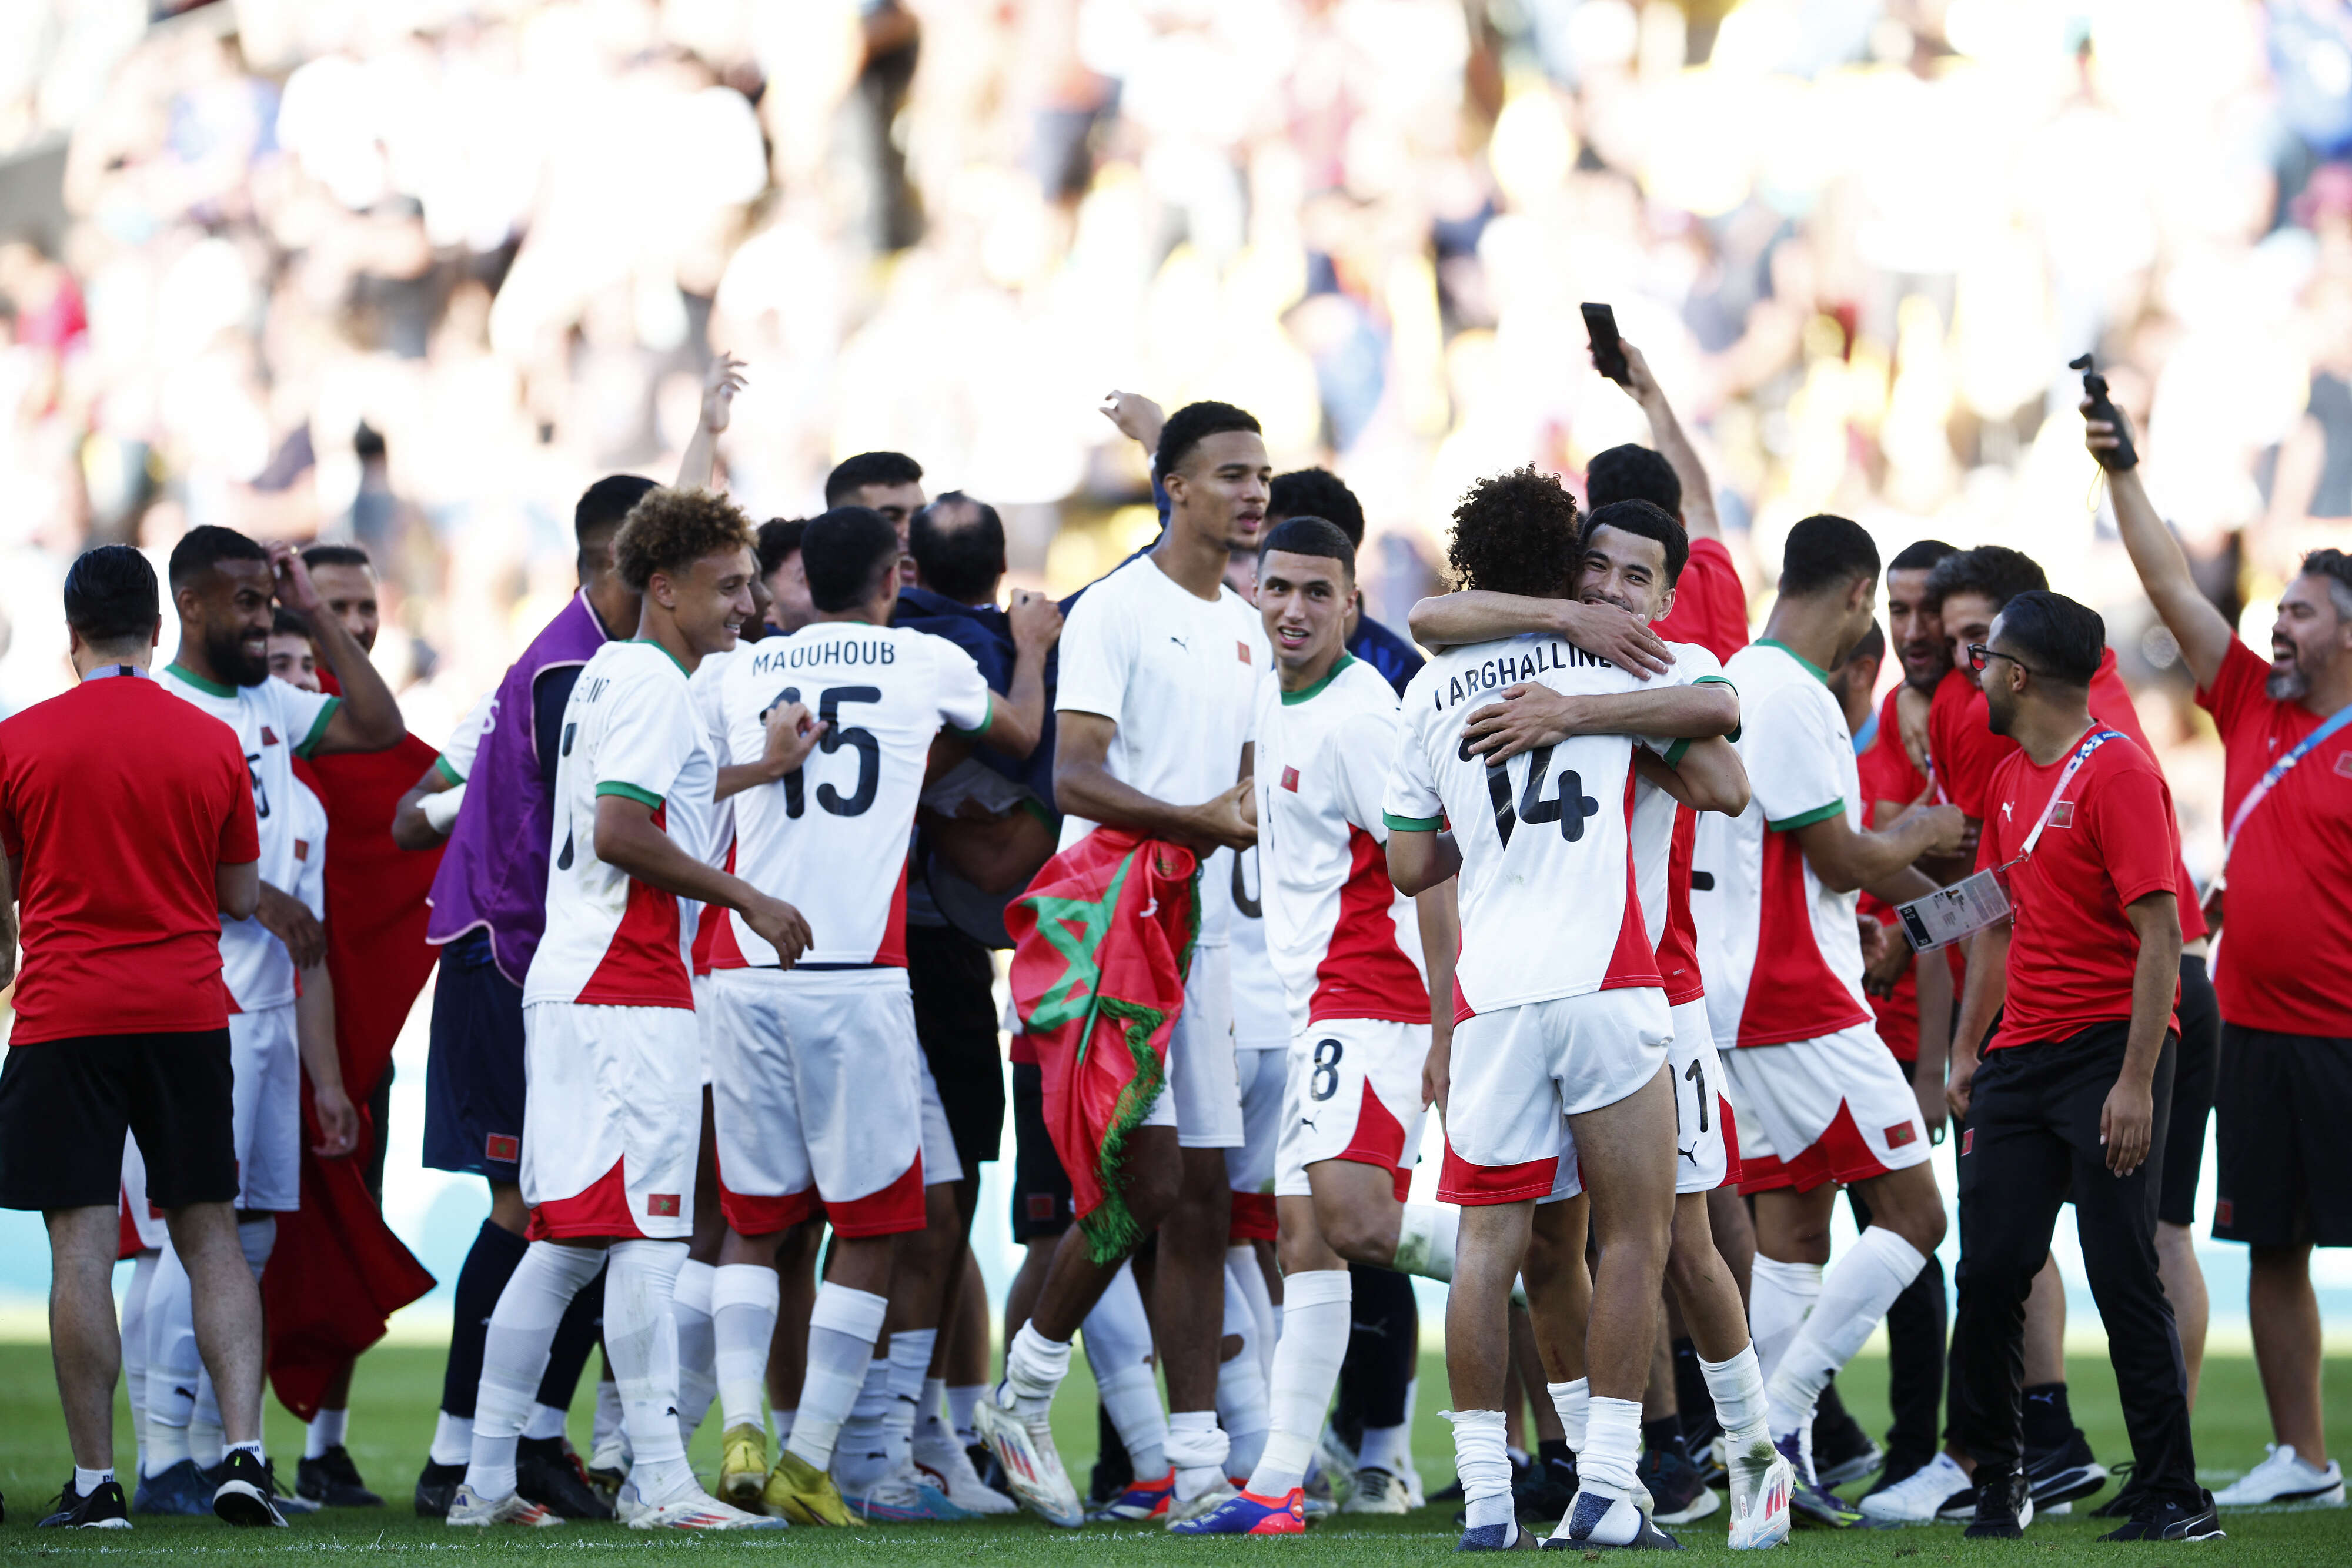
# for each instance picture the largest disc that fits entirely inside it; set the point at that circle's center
(65, 1105)
(1041, 1187)
(474, 1078)
(2281, 1105)
(952, 978)
(2192, 1093)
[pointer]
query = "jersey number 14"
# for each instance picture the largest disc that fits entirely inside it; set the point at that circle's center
(1568, 808)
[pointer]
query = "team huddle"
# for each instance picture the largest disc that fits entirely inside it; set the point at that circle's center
(726, 855)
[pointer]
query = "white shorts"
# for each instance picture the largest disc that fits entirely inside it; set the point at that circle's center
(1517, 1074)
(1815, 1111)
(268, 1101)
(706, 1023)
(820, 1094)
(1203, 1098)
(1353, 1093)
(1699, 1157)
(612, 1119)
(1250, 1169)
(142, 1226)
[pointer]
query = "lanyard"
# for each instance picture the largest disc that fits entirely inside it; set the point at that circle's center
(2278, 771)
(2091, 743)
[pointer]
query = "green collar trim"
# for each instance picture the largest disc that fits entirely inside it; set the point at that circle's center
(1291, 699)
(666, 654)
(1810, 668)
(210, 688)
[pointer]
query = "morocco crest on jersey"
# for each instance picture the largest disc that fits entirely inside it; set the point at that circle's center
(1101, 943)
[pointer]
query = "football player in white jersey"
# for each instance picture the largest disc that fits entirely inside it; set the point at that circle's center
(820, 1087)
(1632, 553)
(610, 1127)
(1820, 1103)
(224, 587)
(1557, 1065)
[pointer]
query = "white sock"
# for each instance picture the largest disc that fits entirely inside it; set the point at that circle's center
(1573, 1403)
(173, 1365)
(1737, 1386)
(1778, 1297)
(1387, 1448)
(1241, 1382)
(911, 1359)
(515, 1349)
(743, 1306)
(697, 1382)
(1242, 1268)
(932, 1433)
(1315, 1326)
(607, 1423)
(1484, 1467)
(640, 1336)
(963, 1398)
(1425, 1238)
(843, 1328)
(205, 1431)
(453, 1438)
(253, 1447)
(545, 1421)
(1033, 1369)
(1118, 1349)
(780, 1427)
(1855, 1293)
(325, 1431)
(257, 1239)
(88, 1481)
(1197, 1449)
(859, 1455)
(134, 1349)
(1605, 1468)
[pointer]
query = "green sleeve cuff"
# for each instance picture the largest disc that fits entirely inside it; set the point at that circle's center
(318, 728)
(441, 766)
(1807, 818)
(1721, 681)
(629, 792)
(1397, 824)
(986, 719)
(1674, 752)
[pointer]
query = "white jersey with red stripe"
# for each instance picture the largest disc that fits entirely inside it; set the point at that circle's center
(1549, 907)
(1346, 944)
(629, 730)
(1783, 953)
(708, 923)
(830, 838)
(1664, 834)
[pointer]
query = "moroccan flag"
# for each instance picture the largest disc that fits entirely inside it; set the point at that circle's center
(1101, 943)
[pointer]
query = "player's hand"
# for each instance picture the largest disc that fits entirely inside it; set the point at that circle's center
(1616, 635)
(1528, 715)
(781, 927)
(1958, 1079)
(285, 917)
(1137, 416)
(1437, 1072)
(7, 955)
(1911, 709)
(1229, 822)
(295, 588)
(1949, 825)
(1639, 383)
(1884, 958)
(339, 1123)
(2127, 1125)
(793, 734)
(1036, 620)
(720, 383)
(2101, 436)
(1930, 1096)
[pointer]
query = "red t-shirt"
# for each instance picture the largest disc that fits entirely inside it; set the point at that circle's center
(1966, 752)
(1887, 774)
(1710, 604)
(122, 800)
(2285, 964)
(2112, 842)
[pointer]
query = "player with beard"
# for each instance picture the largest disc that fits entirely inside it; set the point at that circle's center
(1157, 662)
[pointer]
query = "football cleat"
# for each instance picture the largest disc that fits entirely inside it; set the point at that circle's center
(692, 1509)
(1033, 1465)
(331, 1481)
(1141, 1502)
(743, 1465)
(1762, 1484)
(470, 1512)
(179, 1489)
(244, 1495)
(799, 1492)
(903, 1497)
(1810, 1504)
(549, 1473)
(947, 1467)
(1590, 1512)
(1182, 1511)
(1377, 1491)
(1507, 1537)
(1246, 1513)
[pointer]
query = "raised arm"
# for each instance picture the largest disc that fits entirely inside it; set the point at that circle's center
(1699, 496)
(720, 383)
(1474, 615)
(367, 719)
(2203, 634)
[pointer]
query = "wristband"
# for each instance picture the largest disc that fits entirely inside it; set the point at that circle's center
(441, 810)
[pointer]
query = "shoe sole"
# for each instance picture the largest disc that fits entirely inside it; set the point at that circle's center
(240, 1503)
(2080, 1480)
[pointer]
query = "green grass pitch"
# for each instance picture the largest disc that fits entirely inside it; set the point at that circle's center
(398, 1386)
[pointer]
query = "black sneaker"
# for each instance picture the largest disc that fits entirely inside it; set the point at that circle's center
(438, 1488)
(1678, 1495)
(243, 1493)
(1843, 1451)
(549, 1473)
(2128, 1494)
(2061, 1474)
(2004, 1507)
(1548, 1488)
(2171, 1519)
(331, 1481)
(103, 1509)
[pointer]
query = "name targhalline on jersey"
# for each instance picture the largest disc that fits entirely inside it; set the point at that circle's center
(630, 729)
(1346, 944)
(1549, 907)
(830, 839)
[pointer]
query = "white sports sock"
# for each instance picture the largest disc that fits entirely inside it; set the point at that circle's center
(1612, 1445)
(1241, 1382)
(515, 1346)
(780, 1427)
(932, 1431)
(1387, 1448)
(257, 1239)
(1119, 1348)
(607, 1423)
(1737, 1386)
(1778, 1297)
(910, 1358)
(743, 1306)
(134, 1349)
(1197, 1449)
(1855, 1293)
(544, 1422)
(453, 1439)
(1315, 1325)
(1482, 1464)
(205, 1431)
(173, 1365)
(640, 1336)
(1425, 1238)
(843, 1328)
(88, 1481)
(1573, 1403)
(1243, 1269)
(697, 1382)
(962, 1400)
(859, 1455)
(325, 1431)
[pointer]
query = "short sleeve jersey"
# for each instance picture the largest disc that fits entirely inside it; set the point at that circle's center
(2283, 968)
(1261, 1011)
(310, 851)
(830, 839)
(2111, 842)
(1710, 602)
(1663, 835)
(1787, 961)
(121, 803)
(1346, 944)
(1549, 903)
(629, 729)
(1886, 773)
(1178, 674)
(710, 924)
(275, 723)
(456, 759)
